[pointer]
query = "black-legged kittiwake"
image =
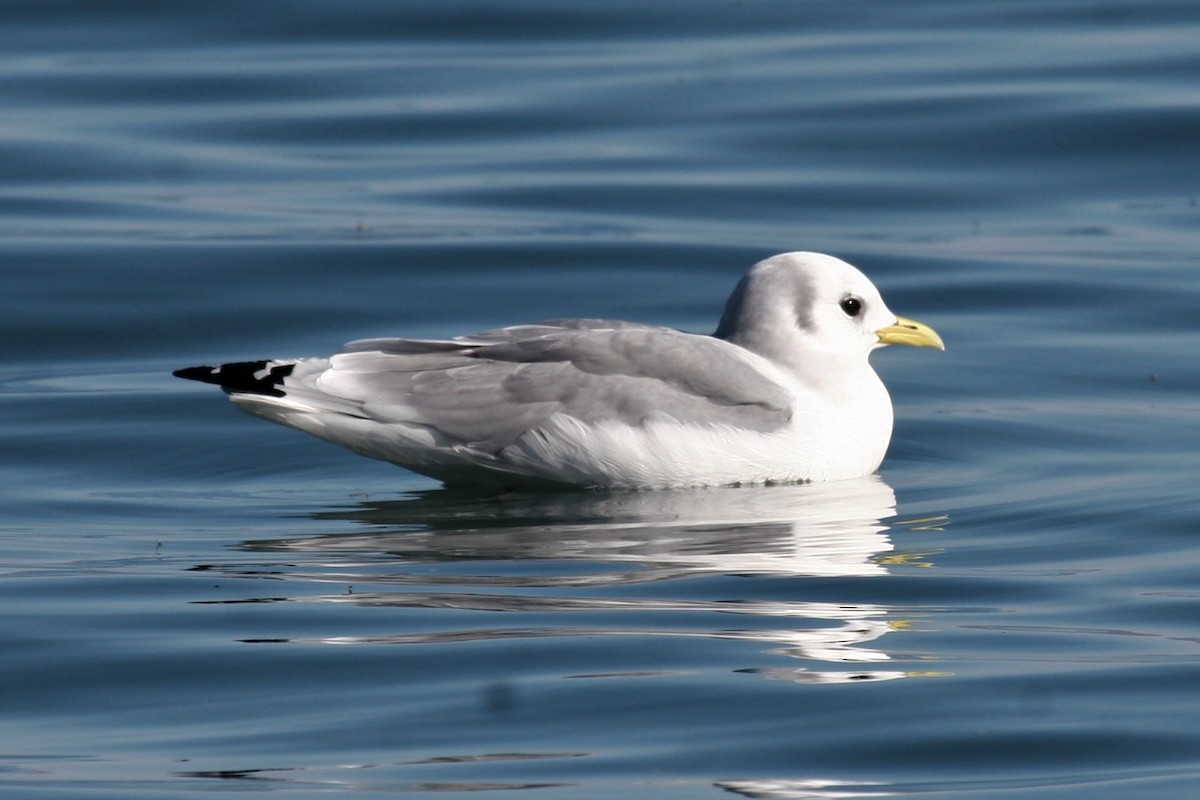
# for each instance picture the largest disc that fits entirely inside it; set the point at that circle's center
(782, 391)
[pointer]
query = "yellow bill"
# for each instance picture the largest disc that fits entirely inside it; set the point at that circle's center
(910, 332)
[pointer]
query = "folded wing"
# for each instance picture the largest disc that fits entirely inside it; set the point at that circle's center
(489, 389)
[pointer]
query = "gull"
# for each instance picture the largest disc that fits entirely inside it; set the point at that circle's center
(781, 392)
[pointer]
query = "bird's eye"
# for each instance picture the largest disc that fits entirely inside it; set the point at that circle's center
(852, 306)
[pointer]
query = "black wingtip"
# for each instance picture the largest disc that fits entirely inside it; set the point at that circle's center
(204, 374)
(247, 377)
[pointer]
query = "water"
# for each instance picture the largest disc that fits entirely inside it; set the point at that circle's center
(194, 601)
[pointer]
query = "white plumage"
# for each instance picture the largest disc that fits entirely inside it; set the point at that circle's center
(781, 392)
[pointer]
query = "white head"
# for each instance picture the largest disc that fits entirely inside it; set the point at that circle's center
(799, 309)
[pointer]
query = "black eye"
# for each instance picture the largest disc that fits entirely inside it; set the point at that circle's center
(852, 306)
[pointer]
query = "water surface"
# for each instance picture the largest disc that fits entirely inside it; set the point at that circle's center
(195, 602)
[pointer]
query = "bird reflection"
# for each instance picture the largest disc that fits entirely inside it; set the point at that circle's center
(828, 529)
(568, 553)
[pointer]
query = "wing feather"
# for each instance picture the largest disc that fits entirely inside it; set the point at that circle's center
(486, 390)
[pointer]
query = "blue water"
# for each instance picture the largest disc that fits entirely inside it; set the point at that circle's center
(193, 601)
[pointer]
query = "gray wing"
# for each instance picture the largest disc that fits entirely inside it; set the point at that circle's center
(487, 389)
(508, 335)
